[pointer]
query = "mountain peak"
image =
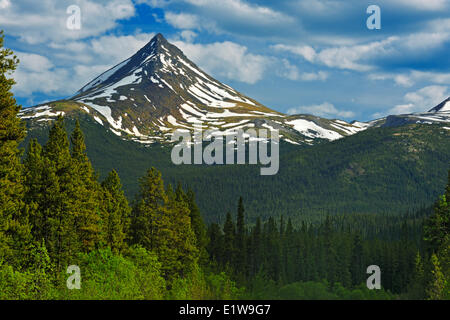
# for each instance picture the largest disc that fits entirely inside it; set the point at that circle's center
(444, 106)
(156, 42)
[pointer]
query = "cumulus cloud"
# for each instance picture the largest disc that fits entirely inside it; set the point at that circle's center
(37, 74)
(343, 57)
(182, 20)
(46, 20)
(227, 59)
(325, 109)
(79, 62)
(188, 35)
(289, 71)
(431, 5)
(223, 16)
(410, 78)
(307, 52)
(421, 100)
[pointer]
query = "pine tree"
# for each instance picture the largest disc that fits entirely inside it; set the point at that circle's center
(215, 243)
(357, 261)
(198, 226)
(257, 253)
(229, 241)
(84, 192)
(240, 264)
(438, 283)
(161, 223)
(14, 227)
(416, 289)
(116, 212)
(58, 224)
(147, 210)
(35, 188)
(63, 189)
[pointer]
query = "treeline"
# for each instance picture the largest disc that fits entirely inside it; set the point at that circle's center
(275, 259)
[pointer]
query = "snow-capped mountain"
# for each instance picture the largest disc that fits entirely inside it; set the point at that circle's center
(438, 114)
(158, 89)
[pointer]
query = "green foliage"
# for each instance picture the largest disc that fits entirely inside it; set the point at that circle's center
(161, 223)
(63, 194)
(115, 213)
(14, 227)
(106, 276)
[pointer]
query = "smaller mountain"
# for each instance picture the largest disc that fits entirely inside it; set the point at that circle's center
(444, 106)
(438, 114)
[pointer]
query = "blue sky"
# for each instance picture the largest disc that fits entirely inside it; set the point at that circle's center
(294, 56)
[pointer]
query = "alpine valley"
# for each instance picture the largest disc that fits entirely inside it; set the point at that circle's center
(327, 166)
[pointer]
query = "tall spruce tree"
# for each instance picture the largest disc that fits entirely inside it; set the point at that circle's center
(229, 233)
(115, 212)
(84, 191)
(147, 211)
(14, 228)
(57, 227)
(240, 264)
(161, 223)
(198, 226)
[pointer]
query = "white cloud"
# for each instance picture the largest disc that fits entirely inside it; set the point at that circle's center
(421, 100)
(37, 74)
(78, 63)
(286, 70)
(312, 76)
(307, 52)
(431, 5)
(412, 77)
(42, 21)
(227, 59)
(325, 109)
(343, 57)
(182, 20)
(4, 4)
(350, 57)
(240, 10)
(188, 35)
(222, 16)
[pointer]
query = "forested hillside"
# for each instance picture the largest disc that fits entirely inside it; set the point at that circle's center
(381, 170)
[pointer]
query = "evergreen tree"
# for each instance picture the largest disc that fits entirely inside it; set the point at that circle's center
(241, 234)
(417, 285)
(35, 188)
(148, 209)
(161, 223)
(58, 223)
(14, 228)
(229, 232)
(84, 193)
(198, 226)
(116, 212)
(438, 283)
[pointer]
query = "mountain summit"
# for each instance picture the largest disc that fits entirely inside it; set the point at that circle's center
(158, 89)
